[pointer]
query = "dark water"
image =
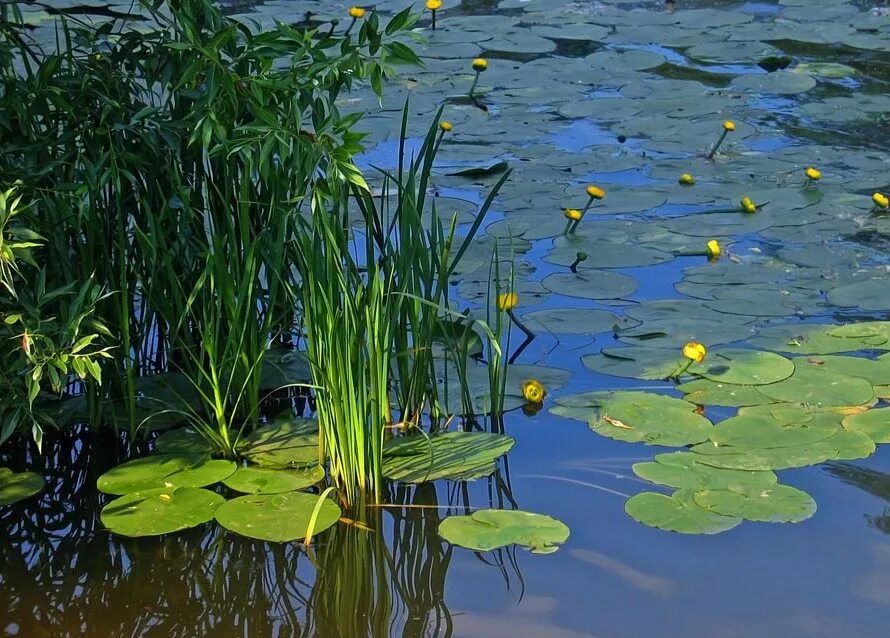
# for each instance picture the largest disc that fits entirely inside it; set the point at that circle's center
(61, 574)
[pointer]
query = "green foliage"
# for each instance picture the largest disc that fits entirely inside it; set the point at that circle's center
(485, 530)
(168, 165)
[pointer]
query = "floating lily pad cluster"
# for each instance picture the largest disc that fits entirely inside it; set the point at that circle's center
(172, 489)
(792, 413)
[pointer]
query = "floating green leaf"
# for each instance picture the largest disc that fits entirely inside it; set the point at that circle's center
(287, 442)
(873, 423)
(278, 518)
(815, 386)
(258, 480)
(485, 530)
(707, 392)
(145, 473)
(773, 504)
(160, 511)
(682, 470)
(183, 441)
(646, 417)
(677, 513)
(634, 362)
(744, 367)
(17, 486)
(459, 456)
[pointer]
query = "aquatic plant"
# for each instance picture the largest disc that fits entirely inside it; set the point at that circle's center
(728, 127)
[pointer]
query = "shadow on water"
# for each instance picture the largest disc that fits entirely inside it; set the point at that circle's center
(872, 481)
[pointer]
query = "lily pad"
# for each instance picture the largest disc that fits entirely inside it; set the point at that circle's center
(644, 417)
(200, 475)
(288, 442)
(707, 392)
(485, 530)
(17, 486)
(682, 470)
(677, 513)
(160, 511)
(591, 284)
(459, 456)
(186, 441)
(278, 518)
(744, 367)
(773, 504)
(145, 473)
(258, 480)
(815, 386)
(842, 445)
(634, 362)
(873, 423)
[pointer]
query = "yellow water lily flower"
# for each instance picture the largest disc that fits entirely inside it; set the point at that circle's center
(507, 301)
(686, 179)
(432, 5)
(480, 64)
(713, 248)
(595, 192)
(748, 205)
(445, 126)
(729, 126)
(695, 351)
(881, 200)
(572, 213)
(165, 498)
(814, 173)
(356, 12)
(533, 391)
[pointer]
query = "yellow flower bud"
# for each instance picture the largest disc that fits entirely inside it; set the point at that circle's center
(165, 498)
(695, 351)
(507, 301)
(729, 125)
(445, 126)
(432, 5)
(356, 12)
(713, 248)
(814, 173)
(881, 200)
(749, 207)
(480, 64)
(686, 179)
(595, 192)
(572, 213)
(533, 391)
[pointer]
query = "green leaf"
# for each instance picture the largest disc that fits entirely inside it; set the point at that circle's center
(279, 518)
(677, 513)
(459, 456)
(873, 423)
(773, 504)
(145, 473)
(744, 367)
(682, 470)
(160, 511)
(287, 442)
(17, 486)
(485, 530)
(253, 480)
(645, 417)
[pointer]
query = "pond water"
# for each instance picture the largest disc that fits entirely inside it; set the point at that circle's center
(625, 95)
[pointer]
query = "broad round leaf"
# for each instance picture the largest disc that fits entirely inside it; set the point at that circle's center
(774, 504)
(873, 423)
(145, 473)
(278, 518)
(646, 417)
(258, 480)
(288, 442)
(677, 513)
(683, 471)
(17, 486)
(160, 511)
(815, 386)
(459, 456)
(485, 530)
(744, 367)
